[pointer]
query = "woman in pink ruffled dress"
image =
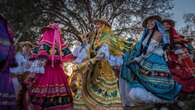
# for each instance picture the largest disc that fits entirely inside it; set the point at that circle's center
(50, 89)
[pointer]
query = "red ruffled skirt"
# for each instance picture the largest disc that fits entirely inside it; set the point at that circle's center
(51, 91)
(182, 71)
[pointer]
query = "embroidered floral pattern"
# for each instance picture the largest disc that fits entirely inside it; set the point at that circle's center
(48, 102)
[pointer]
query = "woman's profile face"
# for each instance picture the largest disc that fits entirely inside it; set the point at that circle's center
(85, 39)
(98, 25)
(26, 49)
(151, 24)
(167, 25)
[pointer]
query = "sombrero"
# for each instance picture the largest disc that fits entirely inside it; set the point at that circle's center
(155, 17)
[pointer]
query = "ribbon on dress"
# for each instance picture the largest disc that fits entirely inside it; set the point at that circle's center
(56, 42)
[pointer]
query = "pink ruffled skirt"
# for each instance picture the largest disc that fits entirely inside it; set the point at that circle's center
(51, 91)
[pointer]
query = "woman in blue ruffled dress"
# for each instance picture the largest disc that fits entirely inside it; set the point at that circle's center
(145, 77)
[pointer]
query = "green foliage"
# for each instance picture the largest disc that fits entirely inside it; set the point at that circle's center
(27, 17)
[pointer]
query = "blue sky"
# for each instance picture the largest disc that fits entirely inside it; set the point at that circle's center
(181, 7)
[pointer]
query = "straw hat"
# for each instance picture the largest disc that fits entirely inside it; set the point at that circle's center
(26, 43)
(102, 21)
(170, 21)
(155, 17)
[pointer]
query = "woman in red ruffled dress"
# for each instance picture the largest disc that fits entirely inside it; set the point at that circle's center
(179, 60)
(50, 89)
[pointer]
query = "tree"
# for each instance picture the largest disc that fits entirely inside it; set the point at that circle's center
(77, 16)
(189, 28)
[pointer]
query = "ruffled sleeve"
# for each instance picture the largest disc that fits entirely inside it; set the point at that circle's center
(36, 67)
(113, 60)
(44, 51)
(21, 62)
(67, 55)
(80, 53)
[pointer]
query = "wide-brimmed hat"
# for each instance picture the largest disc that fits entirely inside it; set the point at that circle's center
(103, 22)
(51, 26)
(155, 17)
(26, 43)
(46, 28)
(170, 21)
